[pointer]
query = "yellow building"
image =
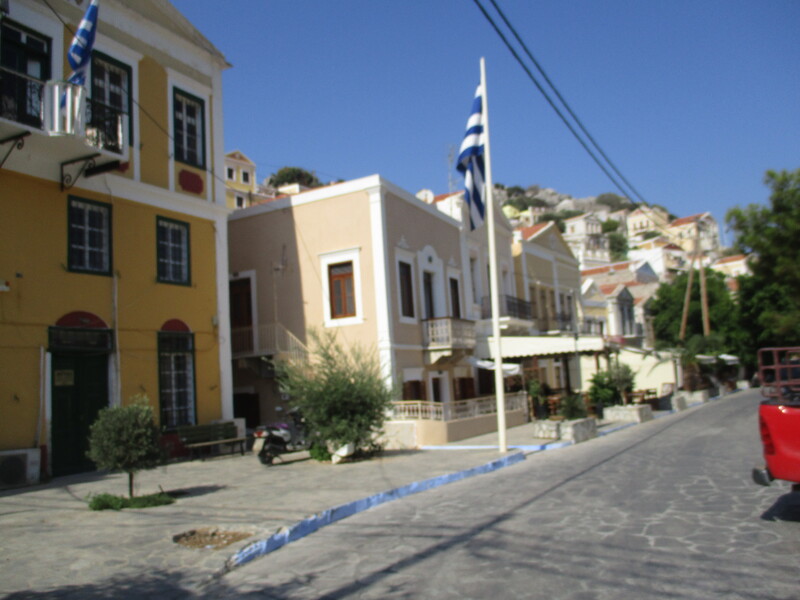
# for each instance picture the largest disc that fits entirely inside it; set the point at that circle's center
(113, 253)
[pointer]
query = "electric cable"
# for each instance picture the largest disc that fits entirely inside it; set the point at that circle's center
(549, 100)
(563, 100)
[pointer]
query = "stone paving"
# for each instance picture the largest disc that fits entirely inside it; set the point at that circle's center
(52, 545)
(661, 510)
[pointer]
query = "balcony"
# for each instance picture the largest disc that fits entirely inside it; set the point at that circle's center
(270, 339)
(455, 411)
(446, 332)
(591, 326)
(446, 338)
(67, 127)
(509, 307)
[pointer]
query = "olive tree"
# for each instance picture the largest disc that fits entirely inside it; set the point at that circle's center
(125, 438)
(340, 392)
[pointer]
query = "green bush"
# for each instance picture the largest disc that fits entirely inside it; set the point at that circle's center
(111, 502)
(106, 502)
(319, 452)
(125, 438)
(622, 377)
(603, 391)
(341, 394)
(572, 407)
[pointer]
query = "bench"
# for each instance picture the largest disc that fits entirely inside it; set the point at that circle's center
(649, 396)
(196, 437)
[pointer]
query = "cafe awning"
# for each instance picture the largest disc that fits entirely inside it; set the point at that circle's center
(521, 346)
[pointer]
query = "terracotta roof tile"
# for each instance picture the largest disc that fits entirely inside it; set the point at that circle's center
(686, 220)
(529, 232)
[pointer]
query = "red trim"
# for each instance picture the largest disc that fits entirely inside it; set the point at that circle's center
(175, 325)
(81, 319)
(190, 182)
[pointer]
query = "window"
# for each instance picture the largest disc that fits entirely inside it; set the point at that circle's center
(245, 177)
(89, 236)
(189, 129)
(240, 203)
(427, 285)
(24, 67)
(231, 174)
(455, 301)
(340, 277)
(173, 251)
(176, 378)
(341, 288)
(406, 290)
(110, 103)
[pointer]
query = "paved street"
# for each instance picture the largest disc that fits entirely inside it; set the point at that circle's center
(662, 510)
(659, 510)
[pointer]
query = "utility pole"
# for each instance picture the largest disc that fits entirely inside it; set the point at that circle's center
(687, 297)
(703, 291)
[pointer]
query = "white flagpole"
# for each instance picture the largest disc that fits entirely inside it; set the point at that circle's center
(499, 381)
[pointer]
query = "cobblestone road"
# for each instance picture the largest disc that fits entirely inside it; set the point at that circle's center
(663, 510)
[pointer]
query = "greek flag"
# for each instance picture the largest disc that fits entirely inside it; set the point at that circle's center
(79, 54)
(471, 162)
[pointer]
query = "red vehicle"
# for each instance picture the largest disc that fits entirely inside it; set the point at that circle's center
(779, 415)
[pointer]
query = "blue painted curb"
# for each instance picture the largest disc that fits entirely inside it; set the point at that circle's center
(311, 524)
(527, 448)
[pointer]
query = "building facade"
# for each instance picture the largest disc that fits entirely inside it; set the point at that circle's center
(114, 245)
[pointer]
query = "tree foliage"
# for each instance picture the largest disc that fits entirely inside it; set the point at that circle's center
(769, 299)
(667, 311)
(290, 175)
(341, 393)
(610, 226)
(125, 438)
(618, 245)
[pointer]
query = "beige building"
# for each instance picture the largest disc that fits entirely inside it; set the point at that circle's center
(585, 237)
(541, 326)
(697, 232)
(645, 219)
(367, 260)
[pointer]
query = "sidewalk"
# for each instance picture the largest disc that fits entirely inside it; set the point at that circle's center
(51, 541)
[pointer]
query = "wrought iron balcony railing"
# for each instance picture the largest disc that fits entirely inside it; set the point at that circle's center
(61, 108)
(509, 307)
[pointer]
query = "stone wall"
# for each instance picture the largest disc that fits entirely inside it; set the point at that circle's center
(632, 413)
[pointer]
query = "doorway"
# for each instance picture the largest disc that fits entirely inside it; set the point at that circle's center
(80, 390)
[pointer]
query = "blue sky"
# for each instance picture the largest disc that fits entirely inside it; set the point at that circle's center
(692, 100)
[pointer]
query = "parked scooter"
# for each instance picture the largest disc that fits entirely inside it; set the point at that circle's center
(280, 438)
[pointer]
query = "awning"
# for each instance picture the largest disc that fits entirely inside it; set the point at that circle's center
(514, 346)
(728, 359)
(508, 369)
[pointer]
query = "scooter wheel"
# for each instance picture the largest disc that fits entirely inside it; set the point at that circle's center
(266, 458)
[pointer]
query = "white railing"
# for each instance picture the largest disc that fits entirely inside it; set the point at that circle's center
(455, 411)
(267, 339)
(446, 332)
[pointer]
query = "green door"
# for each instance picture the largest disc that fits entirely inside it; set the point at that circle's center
(80, 390)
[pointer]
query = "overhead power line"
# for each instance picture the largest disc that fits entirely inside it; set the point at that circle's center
(564, 102)
(553, 105)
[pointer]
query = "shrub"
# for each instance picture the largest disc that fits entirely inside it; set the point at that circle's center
(572, 407)
(125, 438)
(111, 502)
(603, 391)
(622, 377)
(341, 393)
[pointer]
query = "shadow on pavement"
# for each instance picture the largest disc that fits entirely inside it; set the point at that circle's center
(158, 584)
(786, 508)
(198, 490)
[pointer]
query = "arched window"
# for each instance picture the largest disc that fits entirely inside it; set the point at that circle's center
(176, 374)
